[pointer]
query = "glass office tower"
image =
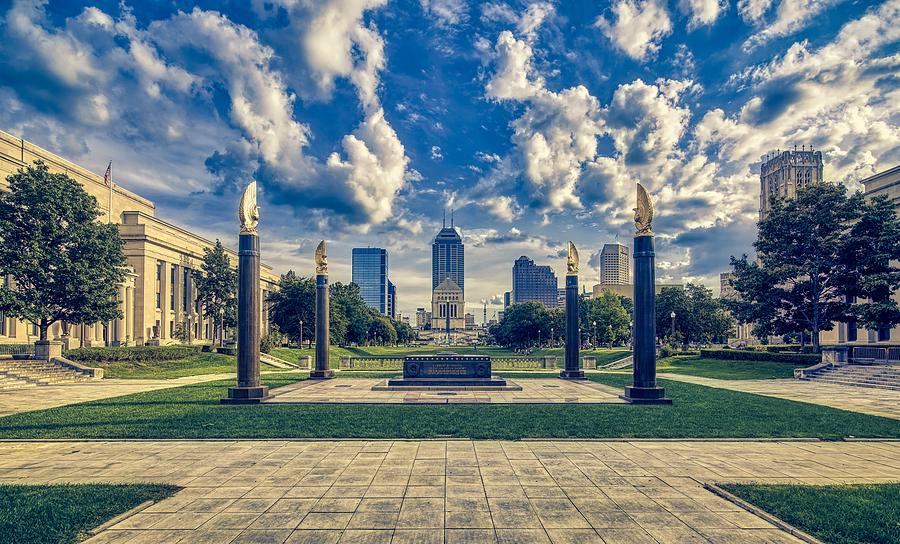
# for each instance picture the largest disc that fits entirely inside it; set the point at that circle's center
(370, 273)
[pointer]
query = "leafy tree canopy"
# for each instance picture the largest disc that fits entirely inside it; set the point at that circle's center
(63, 263)
(217, 285)
(698, 316)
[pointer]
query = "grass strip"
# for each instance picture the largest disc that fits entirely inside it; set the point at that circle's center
(839, 514)
(64, 513)
(194, 411)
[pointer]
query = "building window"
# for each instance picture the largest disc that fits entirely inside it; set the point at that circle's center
(884, 334)
(851, 331)
(186, 290)
(159, 272)
(172, 290)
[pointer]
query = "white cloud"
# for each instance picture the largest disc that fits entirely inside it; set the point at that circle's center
(753, 10)
(702, 12)
(637, 28)
(436, 153)
(448, 13)
(510, 80)
(533, 18)
(790, 16)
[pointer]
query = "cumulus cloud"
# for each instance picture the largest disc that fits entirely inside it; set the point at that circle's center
(790, 16)
(753, 10)
(636, 27)
(702, 12)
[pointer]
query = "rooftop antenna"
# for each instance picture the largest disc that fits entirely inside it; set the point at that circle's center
(451, 218)
(444, 221)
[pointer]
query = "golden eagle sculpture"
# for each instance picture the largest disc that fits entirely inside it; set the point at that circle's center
(321, 259)
(643, 214)
(572, 261)
(248, 210)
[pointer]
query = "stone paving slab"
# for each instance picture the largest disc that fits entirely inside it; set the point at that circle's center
(866, 400)
(446, 491)
(360, 391)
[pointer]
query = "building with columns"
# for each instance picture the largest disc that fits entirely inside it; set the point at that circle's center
(158, 295)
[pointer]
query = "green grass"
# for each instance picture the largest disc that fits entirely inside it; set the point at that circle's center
(202, 363)
(838, 514)
(603, 356)
(64, 513)
(727, 370)
(194, 411)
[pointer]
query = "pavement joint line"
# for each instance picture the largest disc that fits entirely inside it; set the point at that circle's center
(774, 520)
(121, 517)
(443, 439)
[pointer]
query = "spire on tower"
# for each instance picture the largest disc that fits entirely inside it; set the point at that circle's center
(444, 221)
(451, 218)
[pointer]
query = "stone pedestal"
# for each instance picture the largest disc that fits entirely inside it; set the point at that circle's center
(549, 361)
(572, 370)
(835, 355)
(644, 389)
(323, 340)
(47, 349)
(248, 389)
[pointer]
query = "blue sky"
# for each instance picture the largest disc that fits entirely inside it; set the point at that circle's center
(364, 119)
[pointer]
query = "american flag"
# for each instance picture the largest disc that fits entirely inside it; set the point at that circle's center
(107, 177)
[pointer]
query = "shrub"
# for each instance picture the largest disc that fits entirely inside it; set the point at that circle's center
(133, 354)
(667, 350)
(266, 343)
(752, 355)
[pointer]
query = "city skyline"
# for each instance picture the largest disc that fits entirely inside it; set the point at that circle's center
(532, 120)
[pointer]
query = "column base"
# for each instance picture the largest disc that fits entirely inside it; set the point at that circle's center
(246, 395)
(321, 374)
(572, 375)
(645, 395)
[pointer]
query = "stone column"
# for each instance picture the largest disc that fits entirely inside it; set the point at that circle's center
(118, 336)
(129, 316)
(572, 370)
(644, 389)
(248, 388)
(321, 371)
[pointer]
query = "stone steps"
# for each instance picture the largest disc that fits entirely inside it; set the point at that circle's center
(878, 377)
(18, 374)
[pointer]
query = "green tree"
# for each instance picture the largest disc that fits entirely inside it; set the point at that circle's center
(64, 264)
(293, 302)
(607, 312)
(405, 333)
(217, 286)
(804, 277)
(870, 249)
(521, 323)
(698, 316)
(381, 329)
(349, 314)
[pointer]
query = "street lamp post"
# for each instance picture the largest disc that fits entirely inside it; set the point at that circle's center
(672, 315)
(539, 338)
(594, 323)
(552, 337)
(301, 334)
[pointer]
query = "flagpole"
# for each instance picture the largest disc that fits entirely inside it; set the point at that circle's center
(108, 179)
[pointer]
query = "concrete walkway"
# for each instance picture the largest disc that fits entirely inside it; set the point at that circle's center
(866, 400)
(446, 491)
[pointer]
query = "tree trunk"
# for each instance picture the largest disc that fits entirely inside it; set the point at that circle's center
(43, 326)
(221, 331)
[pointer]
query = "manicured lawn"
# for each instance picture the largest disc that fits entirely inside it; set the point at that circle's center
(838, 514)
(603, 356)
(64, 513)
(194, 412)
(727, 370)
(202, 363)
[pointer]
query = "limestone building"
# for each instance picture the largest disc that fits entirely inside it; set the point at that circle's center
(447, 308)
(158, 295)
(783, 172)
(615, 264)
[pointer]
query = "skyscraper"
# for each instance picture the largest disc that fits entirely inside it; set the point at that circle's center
(392, 300)
(533, 283)
(370, 273)
(783, 172)
(615, 264)
(448, 257)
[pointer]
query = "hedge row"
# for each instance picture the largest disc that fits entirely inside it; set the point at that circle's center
(794, 348)
(133, 354)
(751, 355)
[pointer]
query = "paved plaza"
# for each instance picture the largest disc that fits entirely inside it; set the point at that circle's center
(533, 391)
(446, 491)
(865, 400)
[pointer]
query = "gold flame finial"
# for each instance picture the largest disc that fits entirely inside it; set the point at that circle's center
(248, 210)
(321, 259)
(643, 214)
(572, 261)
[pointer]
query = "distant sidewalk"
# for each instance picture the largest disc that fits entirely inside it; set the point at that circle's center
(865, 400)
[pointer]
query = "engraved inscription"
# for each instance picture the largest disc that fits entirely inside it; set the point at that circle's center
(446, 369)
